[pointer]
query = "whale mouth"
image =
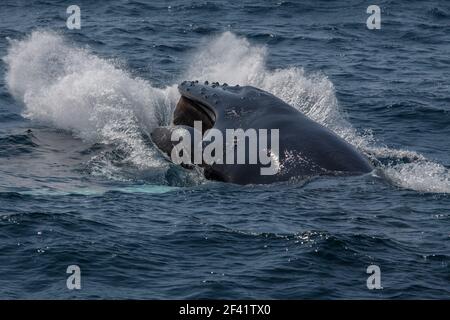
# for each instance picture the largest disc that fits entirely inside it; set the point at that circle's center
(188, 110)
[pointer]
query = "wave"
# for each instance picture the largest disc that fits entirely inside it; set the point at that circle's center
(73, 89)
(99, 101)
(16, 144)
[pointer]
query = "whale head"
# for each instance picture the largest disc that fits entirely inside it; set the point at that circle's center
(221, 104)
(299, 147)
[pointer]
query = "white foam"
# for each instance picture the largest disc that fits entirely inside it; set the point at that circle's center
(75, 90)
(97, 100)
(423, 176)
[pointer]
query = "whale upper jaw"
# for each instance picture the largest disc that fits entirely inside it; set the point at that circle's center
(204, 94)
(198, 102)
(209, 102)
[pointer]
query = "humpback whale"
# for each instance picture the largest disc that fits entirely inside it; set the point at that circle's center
(305, 148)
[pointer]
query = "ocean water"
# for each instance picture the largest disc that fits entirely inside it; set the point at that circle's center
(82, 184)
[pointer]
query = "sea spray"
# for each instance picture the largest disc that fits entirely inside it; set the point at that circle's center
(73, 89)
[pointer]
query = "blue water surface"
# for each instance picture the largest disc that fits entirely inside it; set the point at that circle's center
(82, 184)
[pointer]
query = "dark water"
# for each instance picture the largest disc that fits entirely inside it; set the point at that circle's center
(81, 183)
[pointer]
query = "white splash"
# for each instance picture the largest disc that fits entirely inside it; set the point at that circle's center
(75, 90)
(423, 176)
(234, 60)
(98, 101)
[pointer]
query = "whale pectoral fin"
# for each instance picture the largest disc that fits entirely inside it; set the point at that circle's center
(161, 137)
(166, 138)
